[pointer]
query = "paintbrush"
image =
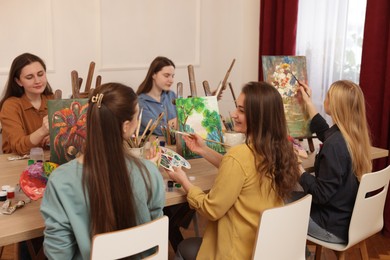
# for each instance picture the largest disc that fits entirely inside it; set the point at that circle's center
(299, 83)
(141, 141)
(190, 135)
(154, 125)
(138, 126)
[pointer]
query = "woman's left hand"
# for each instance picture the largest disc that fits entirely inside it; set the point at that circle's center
(153, 155)
(179, 176)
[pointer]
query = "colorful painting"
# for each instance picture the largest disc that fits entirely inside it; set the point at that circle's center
(285, 73)
(68, 129)
(200, 115)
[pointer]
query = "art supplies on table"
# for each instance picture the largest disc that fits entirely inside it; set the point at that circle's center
(168, 134)
(298, 147)
(137, 141)
(170, 159)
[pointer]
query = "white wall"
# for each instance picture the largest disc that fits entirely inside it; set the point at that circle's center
(123, 37)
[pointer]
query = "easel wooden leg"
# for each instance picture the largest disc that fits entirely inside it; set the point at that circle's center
(311, 144)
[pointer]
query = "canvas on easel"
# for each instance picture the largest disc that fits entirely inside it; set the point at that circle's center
(284, 72)
(68, 128)
(200, 115)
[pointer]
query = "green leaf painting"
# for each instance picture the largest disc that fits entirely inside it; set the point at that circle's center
(284, 72)
(200, 115)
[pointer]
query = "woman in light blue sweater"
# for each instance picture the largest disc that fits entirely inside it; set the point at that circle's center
(106, 189)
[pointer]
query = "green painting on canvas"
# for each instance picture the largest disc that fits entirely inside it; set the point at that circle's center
(200, 115)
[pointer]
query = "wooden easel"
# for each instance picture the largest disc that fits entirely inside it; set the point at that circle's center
(76, 82)
(309, 142)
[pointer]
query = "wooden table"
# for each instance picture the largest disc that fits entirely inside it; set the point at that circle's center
(27, 223)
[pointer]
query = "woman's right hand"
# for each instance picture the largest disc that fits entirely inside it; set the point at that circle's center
(305, 92)
(195, 143)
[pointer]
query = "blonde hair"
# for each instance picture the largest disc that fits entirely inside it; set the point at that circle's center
(348, 111)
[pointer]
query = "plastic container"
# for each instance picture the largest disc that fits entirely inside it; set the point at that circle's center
(5, 187)
(36, 154)
(11, 193)
(3, 195)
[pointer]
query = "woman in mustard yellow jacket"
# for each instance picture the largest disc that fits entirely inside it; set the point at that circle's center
(252, 177)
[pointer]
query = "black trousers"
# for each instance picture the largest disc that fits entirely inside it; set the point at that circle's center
(180, 215)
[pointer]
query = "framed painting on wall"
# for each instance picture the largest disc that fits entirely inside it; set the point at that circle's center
(68, 128)
(200, 115)
(284, 72)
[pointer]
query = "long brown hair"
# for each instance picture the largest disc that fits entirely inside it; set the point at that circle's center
(105, 172)
(157, 64)
(267, 136)
(12, 89)
(348, 111)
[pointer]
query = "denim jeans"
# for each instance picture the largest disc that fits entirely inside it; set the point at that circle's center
(322, 234)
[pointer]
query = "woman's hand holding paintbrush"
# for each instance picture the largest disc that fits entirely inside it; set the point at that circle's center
(197, 144)
(301, 84)
(306, 93)
(192, 135)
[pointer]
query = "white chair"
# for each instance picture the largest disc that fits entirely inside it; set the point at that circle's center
(131, 241)
(282, 231)
(367, 215)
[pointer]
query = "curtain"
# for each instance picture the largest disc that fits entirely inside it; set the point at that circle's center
(330, 35)
(278, 24)
(375, 81)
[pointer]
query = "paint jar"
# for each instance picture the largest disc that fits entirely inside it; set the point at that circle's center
(5, 187)
(3, 195)
(170, 185)
(30, 162)
(11, 193)
(36, 153)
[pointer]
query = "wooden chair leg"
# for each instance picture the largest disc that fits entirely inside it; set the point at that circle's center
(318, 252)
(363, 250)
(340, 255)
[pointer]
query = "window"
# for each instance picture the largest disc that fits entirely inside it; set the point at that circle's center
(330, 35)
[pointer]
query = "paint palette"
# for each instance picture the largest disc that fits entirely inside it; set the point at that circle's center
(170, 159)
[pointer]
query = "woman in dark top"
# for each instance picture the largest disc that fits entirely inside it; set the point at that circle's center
(341, 161)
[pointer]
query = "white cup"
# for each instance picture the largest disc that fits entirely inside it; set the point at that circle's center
(137, 152)
(234, 138)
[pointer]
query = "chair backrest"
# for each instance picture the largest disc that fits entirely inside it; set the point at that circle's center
(131, 241)
(282, 231)
(367, 215)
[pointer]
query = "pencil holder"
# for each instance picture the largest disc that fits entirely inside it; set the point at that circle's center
(137, 152)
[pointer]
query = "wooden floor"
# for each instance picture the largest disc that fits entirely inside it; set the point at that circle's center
(378, 246)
